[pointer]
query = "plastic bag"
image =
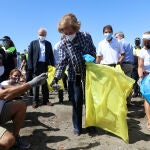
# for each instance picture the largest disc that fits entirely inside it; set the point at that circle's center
(145, 88)
(51, 73)
(106, 91)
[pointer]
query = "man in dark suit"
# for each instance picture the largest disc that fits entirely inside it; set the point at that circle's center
(40, 55)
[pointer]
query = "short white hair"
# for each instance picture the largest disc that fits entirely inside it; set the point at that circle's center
(42, 29)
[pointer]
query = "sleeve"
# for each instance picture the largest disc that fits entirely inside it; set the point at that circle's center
(89, 48)
(92, 47)
(63, 62)
(55, 55)
(141, 54)
(30, 57)
(99, 51)
(121, 47)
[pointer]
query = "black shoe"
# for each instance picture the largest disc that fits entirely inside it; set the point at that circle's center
(60, 102)
(91, 130)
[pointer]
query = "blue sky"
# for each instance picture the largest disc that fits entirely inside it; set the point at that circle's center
(21, 19)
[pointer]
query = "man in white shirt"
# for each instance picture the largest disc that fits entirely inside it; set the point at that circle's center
(110, 51)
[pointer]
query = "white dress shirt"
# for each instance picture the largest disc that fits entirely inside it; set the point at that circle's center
(110, 51)
(42, 51)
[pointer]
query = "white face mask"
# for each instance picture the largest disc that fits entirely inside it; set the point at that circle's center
(42, 38)
(119, 40)
(1, 70)
(71, 37)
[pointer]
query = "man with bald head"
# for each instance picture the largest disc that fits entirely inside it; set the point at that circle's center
(40, 55)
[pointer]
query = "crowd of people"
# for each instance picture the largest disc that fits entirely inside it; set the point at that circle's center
(68, 54)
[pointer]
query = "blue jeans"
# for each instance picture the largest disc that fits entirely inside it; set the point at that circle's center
(76, 97)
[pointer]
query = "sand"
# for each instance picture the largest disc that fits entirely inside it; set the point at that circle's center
(50, 128)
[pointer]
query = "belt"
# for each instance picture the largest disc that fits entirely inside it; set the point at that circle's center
(41, 62)
(111, 65)
(127, 62)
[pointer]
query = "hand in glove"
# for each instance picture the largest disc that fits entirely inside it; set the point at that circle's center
(55, 80)
(38, 80)
(54, 84)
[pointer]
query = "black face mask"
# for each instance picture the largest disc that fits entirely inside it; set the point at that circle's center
(137, 43)
(147, 46)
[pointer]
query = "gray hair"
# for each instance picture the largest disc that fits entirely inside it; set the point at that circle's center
(121, 34)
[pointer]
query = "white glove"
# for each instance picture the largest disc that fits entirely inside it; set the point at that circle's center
(38, 80)
(139, 81)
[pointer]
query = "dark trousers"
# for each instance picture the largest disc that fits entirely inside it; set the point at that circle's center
(76, 97)
(135, 77)
(64, 78)
(29, 77)
(128, 69)
(60, 95)
(41, 68)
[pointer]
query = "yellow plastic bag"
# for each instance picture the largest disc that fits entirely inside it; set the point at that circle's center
(51, 73)
(106, 91)
(118, 69)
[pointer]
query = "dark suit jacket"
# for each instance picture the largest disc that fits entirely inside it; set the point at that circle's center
(34, 53)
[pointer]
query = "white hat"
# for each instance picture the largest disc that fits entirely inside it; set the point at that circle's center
(146, 36)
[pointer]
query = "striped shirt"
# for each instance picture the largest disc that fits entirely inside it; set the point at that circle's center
(71, 52)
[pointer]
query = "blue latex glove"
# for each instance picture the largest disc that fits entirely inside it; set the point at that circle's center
(88, 58)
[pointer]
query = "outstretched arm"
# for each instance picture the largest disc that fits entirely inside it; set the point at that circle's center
(14, 91)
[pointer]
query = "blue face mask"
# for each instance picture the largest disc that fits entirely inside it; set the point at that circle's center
(108, 36)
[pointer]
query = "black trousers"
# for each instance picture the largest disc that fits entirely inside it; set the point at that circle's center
(60, 95)
(135, 77)
(41, 68)
(64, 78)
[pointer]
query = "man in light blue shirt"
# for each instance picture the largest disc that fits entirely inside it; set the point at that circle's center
(127, 62)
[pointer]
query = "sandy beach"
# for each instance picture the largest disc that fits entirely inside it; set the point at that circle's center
(50, 128)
